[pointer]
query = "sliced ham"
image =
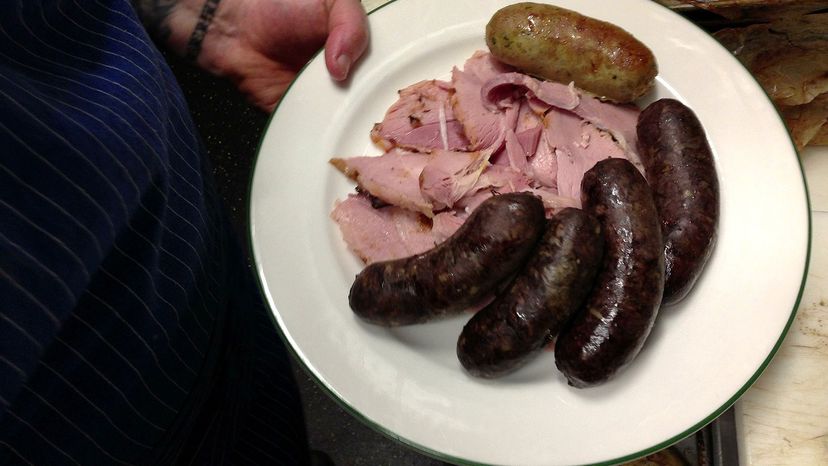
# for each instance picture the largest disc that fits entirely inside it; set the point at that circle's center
(421, 119)
(503, 89)
(578, 146)
(528, 117)
(496, 179)
(445, 224)
(618, 120)
(484, 127)
(515, 152)
(381, 234)
(527, 134)
(519, 147)
(392, 177)
(449, 176)
(543, 166)
(502, 180)
(529, 139)
(553, 202)
(451, 145)
(424, 183)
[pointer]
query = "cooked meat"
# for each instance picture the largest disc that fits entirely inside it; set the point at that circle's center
(618, 120)
(506, 132)
(483, 127)
(391, 177)
(449, 176)
(578, 146)
(381, 234)
(421, 119)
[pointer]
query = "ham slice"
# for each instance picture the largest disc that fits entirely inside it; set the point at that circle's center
(515, 152)
(578, 146)
(503, 89)
(553, 202)
(449, 176)
(392, 177)
(543, 166)
(421, 119)
(423, 183)
(381, 234)
(451, 145)
(445, 224)
(483, 126)
(497, 179)
(618, 120)
(528, 117)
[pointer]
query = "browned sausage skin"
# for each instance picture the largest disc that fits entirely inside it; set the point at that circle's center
(682, 174)
(565, 46)
(608, 333)
(460, 273)
(547, 291)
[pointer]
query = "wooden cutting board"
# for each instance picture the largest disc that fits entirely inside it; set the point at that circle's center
(783, 418)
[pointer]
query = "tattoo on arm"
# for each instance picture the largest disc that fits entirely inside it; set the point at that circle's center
(153, 14)
(204, 20)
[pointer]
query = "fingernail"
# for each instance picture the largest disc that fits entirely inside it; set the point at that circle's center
(344, 63)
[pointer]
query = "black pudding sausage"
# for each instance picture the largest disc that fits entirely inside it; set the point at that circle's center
(543, 296)
(490, 246)
(608, 333)
(682, 174)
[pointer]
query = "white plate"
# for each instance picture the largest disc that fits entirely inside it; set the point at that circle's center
(407, 382)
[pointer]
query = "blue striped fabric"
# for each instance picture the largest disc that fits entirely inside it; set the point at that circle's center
(130, 331)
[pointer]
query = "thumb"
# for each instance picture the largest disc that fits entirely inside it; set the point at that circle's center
(347, 36)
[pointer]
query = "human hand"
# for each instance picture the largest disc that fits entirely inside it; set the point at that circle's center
(262, 44)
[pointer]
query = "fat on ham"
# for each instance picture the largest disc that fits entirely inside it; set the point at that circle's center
(449, 145)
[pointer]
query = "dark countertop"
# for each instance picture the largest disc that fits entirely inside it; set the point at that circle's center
(231, 129)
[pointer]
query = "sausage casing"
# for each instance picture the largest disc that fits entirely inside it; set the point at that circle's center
(564, 46)
(681, 171)
(459, 273)
(610, 330)
(546, 292)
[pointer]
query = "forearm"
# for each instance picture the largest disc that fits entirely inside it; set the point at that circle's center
(178, 25)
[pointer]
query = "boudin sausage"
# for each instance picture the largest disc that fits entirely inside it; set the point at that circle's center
(682, 174)
(459, 273)
(610, 330)
(564, 46)
(542, 297)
